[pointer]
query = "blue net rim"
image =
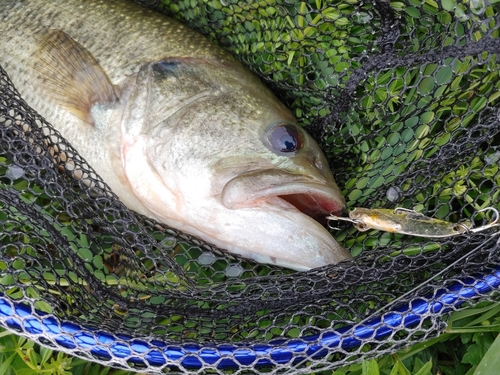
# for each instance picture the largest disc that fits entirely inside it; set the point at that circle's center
(107, 346)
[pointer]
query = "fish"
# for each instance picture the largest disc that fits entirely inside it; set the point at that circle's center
(177, 128)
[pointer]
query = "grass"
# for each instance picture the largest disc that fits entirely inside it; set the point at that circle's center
(20, 356)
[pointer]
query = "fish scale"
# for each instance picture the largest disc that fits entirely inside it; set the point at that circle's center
(178, 129)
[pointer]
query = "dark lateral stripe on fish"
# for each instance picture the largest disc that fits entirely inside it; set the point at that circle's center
(166, 66)
(180, 65)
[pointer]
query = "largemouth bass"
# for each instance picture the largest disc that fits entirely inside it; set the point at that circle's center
(178, 129)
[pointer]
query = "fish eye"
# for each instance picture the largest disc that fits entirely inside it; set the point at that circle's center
(285, 138)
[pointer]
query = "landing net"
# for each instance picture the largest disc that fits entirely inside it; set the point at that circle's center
(404, 99)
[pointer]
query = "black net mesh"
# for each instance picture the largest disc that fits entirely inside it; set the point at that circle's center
(403, 97)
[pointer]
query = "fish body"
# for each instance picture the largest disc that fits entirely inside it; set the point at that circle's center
(178, 129)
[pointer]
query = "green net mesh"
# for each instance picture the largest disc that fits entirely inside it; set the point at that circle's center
(403, 98)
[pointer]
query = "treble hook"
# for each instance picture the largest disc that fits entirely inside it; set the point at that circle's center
(357, 223)
(495, 222)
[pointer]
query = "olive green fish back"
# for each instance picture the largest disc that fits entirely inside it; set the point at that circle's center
(404, 99)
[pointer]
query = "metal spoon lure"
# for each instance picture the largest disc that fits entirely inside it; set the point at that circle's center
(405, 221)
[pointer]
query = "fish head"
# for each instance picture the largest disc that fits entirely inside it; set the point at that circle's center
(209, 150)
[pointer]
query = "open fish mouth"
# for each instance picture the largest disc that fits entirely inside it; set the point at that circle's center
(288, 191)
(313, 205)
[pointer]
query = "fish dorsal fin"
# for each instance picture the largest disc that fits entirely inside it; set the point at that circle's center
(70, 76)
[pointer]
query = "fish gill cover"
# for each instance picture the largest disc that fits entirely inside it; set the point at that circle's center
(404, 99)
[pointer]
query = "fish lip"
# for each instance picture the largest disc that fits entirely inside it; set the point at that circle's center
(286, 190)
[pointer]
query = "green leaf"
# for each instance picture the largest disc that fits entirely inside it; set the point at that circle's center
(490, 363)
(26, 371)
(413, 350)
(370, 367)
(331, 13)
(6, 364)
(413, 12)
(481, 313)
(5, 333)
(104, 371)
(33, 357)
(473, 355)
(426, 369)
(399, 369)
(46, 353)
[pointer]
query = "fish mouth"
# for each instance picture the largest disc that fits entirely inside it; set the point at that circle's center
(286, 190)
(313, 205)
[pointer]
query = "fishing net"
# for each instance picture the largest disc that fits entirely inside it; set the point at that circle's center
(403, 98)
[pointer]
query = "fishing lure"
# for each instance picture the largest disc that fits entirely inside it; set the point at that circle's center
(405, 221)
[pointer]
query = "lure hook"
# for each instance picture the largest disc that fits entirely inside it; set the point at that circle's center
(493, 223)
(357, 223)
(402, 210)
